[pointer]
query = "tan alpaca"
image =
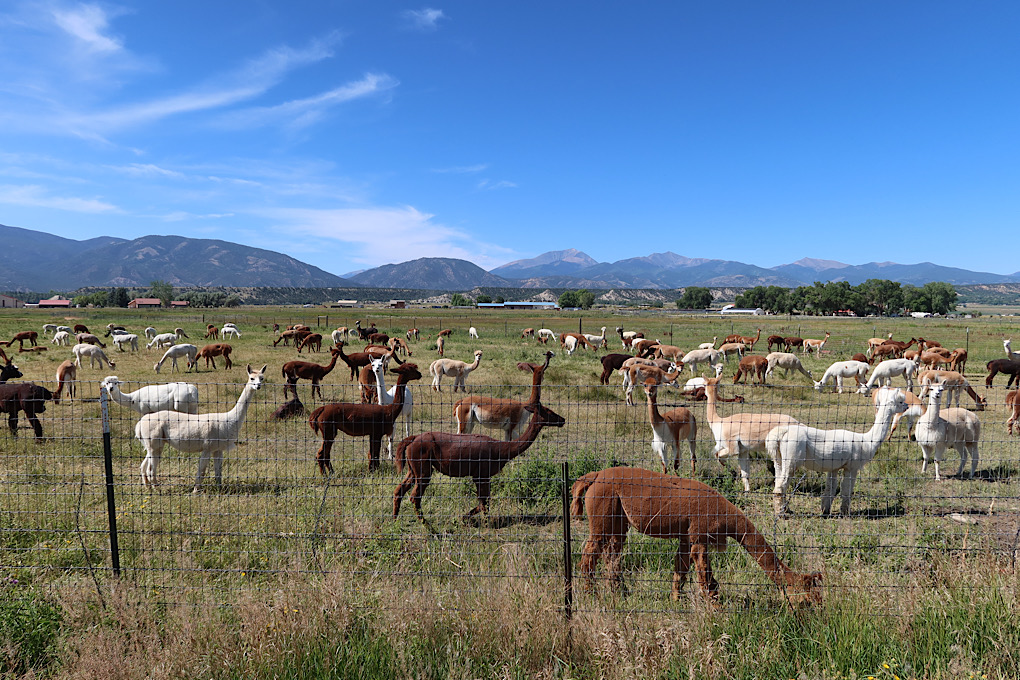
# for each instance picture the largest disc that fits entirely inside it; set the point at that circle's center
(669, 428)
(458, 370)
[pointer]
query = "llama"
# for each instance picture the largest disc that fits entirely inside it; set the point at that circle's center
(668, 507)
(189, 352)
(93, 353)
(788, 362)
(840, 370)
(1007, 366)
(508, 415)
(669, 428)
(886, 370)
(463, 455)
(458, 370)
(209, 434)
(27, 397)
(129, 339)
(939, 428)
(740, 434)
(61, 338)
(210, 352)
(180, 397)
(815, 345)
(67, 374)
(386, 397)
(360, 420)
(799, 446)
(162, 340)
(295, 370)
(702, 356)
(473, 332)
(752, 365)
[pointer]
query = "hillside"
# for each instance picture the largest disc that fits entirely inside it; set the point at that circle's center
(436, 273)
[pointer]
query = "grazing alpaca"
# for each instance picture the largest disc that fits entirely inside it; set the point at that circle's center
(229, 330)
(338, 335)
(295, 370)
(379, 338)
(875, 342)
(113, 329)
(208, 434)
(61, 338)
(939, 428)
(441, 345)
(740, 434)
(571, 341)
(702, 356)
(859, 356)
(49, 328)
(840, 370)
(473, 332)
(295, 334)
(129, 339)
(788, 362)
(668, 507)
(958, 360)
(829, 451)
(641, 346)
(162, 340)
(211, 331)
(67, 374)
(610, 363)
(360, 420)
(463, 455)
(210, 352)
(412, 333)
(955, 385)
(27, 397)
(627, 337)
(776, 341)
(8, 371)
(93, 353)
(89, 339)
(179, 333)
(752, 365)
(313, 341)
(22, 337)
(1007, 366)
(150, 332)
(885, 371)
(671, 352)
(458, 370)
(179, 397)
(815, 345)
(445, 333)
(528, 333)
(184, 350)
(544, 335)
(400, 346)
(81, 328)
(669, 428)
(508, 415)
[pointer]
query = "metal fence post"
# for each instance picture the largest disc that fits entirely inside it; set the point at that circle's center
(568, 565)
(111, 505)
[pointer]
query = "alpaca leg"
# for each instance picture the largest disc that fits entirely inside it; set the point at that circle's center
(36, 425)
(702, 562)
(484, 488)
(783, 470)
(374, 447)
(203, 461)
(398, 495)
(218, 467)
(12, 422)
(681, 567)
(830, 492)
(590, 555)
(614, 559)
(419, 491)
(973, 447)
(694, 455)
(847, 490)
(322, 456)
(744, 463)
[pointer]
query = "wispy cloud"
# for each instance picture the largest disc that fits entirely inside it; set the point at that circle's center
(145, 170)
(36, 197)
(463, 169)
(426, 19)
(490, 185)
(88, 24)
(182, 216)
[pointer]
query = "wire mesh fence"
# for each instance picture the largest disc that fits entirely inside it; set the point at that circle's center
(274, 513)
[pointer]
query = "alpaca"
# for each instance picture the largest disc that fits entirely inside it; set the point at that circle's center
(792, 341)
(93, 353)
(360, 420)
(463, 455)
(671, 352)
(815, 345)
(746, 340)
(668, 507)
(544, 335)
(179, 333)
(295, 334)
(508, 415)
(49, 328)
(599, 341)
(709, 345)
(61, 338)
(843, 369)
(211, 331)
(669, 428)
(875, 342)
(229, 330)
(189, 352)
(528, 333)
(210, 352)
(458, 370)
(702, 356)
(571, 341)
(752, 365)
(915, 409)
(788, 362)
(27, 397)
(412, 333)
(728, 348)
(610, 363)
(740, 434)
(89, 339)
(22, 337)
(81, 328)
(67, 374)
(885, 371)
(354, 361)
(1013, 405)
(8, 371)
(179, 397)
(473, 332)
(642, 346)
(939, 428)
(401, 346)
(294, 370)
(129, 339)
(150, 333)
(799, 446)
(638, 372)
(861, 357)
(113, 329)
(1010, 354)
(162, 340)
(1007, 366)
(386, 397)
(208, 434)
(441, 345)
(955, 384)
(958, 361)
(776, 341)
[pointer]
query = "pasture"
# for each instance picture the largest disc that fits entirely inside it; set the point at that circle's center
(262, 573)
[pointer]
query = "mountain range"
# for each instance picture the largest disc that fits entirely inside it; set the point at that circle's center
(35, 260)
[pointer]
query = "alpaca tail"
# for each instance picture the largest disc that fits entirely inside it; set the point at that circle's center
(398, 458)
(772, 442)
(313, 420)
(577, 491)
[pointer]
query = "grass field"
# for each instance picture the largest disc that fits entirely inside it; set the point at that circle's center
(281, 573)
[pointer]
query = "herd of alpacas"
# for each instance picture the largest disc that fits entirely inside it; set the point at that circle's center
(658, 504)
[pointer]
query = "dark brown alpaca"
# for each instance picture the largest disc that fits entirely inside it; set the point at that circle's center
(296, 334)
(26, 397)
(508, 415)
(1007, 366)
(668, 507)
(8, 371)
(610, 363)
(22, 337)
(792, 341)
(313, 341)
(360, 420)
(699, 394)
(378, 338)
(295, 370)
(463, 455)
(354, 361)
(776, 340)
(217, 349)
(80, 328)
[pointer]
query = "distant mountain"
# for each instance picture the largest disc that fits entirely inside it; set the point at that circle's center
(33, 260)
(553, 263)
(914, 274)
(436, 273)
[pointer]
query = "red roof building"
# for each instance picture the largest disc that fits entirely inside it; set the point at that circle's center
(145, 302)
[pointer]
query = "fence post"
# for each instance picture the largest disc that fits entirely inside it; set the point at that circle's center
(968, 340)
(111, 505)
(568, 565)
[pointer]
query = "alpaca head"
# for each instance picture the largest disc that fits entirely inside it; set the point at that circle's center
(109, 382)
(545, 415)
(407, 371)
(255, 378)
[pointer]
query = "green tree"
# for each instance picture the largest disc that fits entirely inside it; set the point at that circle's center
(568, 299)
(695, 297)
(458, 300)
(119, 297)
(163, 290)
(500, 299)
(881, 296)
(941, 297)
(585, 298)
(482, 297)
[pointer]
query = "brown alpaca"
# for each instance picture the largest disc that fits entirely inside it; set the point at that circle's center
(89, 339)
(22, 337)
(463, 455)
(668, 507)
(27, 397)
(360, 420)
(958, 360)
(209, 352)
(297, 334)
(754, 366)
(313, 341)
(669, 428)
(699, 394)
(441, 345)
(859, 356)
(445, 333)
(67, 374)
(610, 363)
(792, 341)
(398, 345)
(378, 338)
(295, 370)
(508, 415)
(528, 333)
(413, 333)
(748, 340)
(81, 328)
(212, 332)
(354, 361)
(776, 340)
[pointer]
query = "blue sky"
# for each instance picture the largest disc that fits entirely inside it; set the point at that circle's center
(355, 134)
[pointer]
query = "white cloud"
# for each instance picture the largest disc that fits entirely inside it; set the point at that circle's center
(426, 19)
(489, 185)
(145, 170)
(463, 169)
(87, 23)
(182, 216)
(36, 197)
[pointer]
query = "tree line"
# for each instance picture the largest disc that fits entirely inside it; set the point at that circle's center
(880, 297)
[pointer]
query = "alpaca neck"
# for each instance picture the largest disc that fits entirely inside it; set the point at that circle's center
(380, 381)
(744, 532)
(536, 386)
(240, 409)
(332, 362)
(880, 430)
(507, 451)
(711, 395)
(473, 366)
(393, 410)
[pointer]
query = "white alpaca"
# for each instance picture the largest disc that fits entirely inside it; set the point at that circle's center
(702, 356)
(939, 428)
(709, 345)
(93, 353)
(209, 434)
(338, 336)
(61, 338)
(887, 370)
(176, 352)
(786, 361)
(545, 333)
(840, 370)
(458, 370)
(386, 397)
(915, 409)
(230, 330)
(693, 384)
(829, 451)
(669, 428)
(50, 328)
(162, 340)
(1010, 354)
(150, 333)
(473, 332)
(598, 340)
(180, 397)
(129, 339)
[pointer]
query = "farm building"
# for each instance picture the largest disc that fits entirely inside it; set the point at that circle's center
(517, 305)
(139, 303)
(733, 309)
(344, 303)
(398, 304)
(8, 301)
(176, 304)
(55, 301)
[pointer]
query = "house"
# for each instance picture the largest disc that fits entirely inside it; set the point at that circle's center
(8, 301)
(139, 303)
(177, 304)
(55, 301)
(398, 304)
